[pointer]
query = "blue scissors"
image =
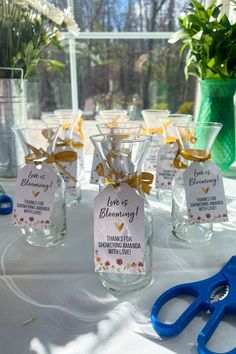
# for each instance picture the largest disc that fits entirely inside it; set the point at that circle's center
(6, 203)
(216, 294)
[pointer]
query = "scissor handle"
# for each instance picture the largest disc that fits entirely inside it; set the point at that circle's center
(6, 204)
(213, 322)
(168, 330)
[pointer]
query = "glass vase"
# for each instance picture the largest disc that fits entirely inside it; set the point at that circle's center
(153, 125)
(107, 120)
(198, 136)
(164, 195)
(122, 158)
(67, 139)
(57, 229)
(112, 116)
(125, 130)
(218, 105)
(76, 133)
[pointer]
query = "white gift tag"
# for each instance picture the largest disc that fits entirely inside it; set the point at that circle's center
(205, 194)
(94, 177)
(119, 231)
(165, 171)
(34, 195)
(70, 167)
(151, 157)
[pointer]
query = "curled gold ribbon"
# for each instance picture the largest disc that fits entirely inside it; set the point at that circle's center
(165, 123)
(49, 135)
(152, 131)
(143, 180)
(70, 143)
(78, 128)
(195, 155)
(40, 155)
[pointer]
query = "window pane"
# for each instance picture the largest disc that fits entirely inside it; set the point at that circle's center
(132, 74)
(128, 15)
(50, 90)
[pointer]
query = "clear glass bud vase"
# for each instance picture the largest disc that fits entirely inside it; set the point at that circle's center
(198, 136)
(115, 116)
(122, 158)
(45, 146)
(153, 125)
(68, 139)
(164, 195)
(126, 130)
(76, 132)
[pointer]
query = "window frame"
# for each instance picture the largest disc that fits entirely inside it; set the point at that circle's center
(120, 35)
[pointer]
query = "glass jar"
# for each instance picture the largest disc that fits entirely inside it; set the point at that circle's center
(69, 139)
(123, 157)
(54, 233)
(198, 136)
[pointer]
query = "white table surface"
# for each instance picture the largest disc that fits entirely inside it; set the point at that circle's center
(76, 315)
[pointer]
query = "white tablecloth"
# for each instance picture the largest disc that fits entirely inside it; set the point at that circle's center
(76, 315)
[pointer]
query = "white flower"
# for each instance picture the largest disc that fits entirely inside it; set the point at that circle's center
(38, 5)
(58, 35)
(35, 4)
(70, 22)
(21, 3)
(52, 12)
(55, 14)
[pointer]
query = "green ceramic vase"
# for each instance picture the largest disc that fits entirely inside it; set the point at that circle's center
(218, 106)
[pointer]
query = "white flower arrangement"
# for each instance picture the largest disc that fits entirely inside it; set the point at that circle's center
(27, 27)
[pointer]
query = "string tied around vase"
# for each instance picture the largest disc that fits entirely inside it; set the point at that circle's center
(40, 155)
(194, 155)
(143, 180)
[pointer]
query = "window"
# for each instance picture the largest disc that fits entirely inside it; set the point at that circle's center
(122, 59)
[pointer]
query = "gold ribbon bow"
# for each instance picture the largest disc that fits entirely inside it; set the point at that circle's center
(152, 131)
(39, 155)
(49, 135)
(78, 128)
(144, 180)
(195, 155)
(165, 123)
(69, 142)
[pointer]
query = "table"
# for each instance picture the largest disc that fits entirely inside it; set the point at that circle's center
(76, 315)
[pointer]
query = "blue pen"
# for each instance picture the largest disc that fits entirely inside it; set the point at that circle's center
(6, 203)
(215, 295)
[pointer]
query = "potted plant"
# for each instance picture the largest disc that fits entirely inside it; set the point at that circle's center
(209, 42)
(27, 29)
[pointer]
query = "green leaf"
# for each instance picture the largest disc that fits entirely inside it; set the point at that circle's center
(198, 5)
(195, 20)
(198, 35)
(185, 45)
(57, 64)
(211, 63)
(225, 21)
(211, 41)
(181, 34)
(216, 12)
(53, 65)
